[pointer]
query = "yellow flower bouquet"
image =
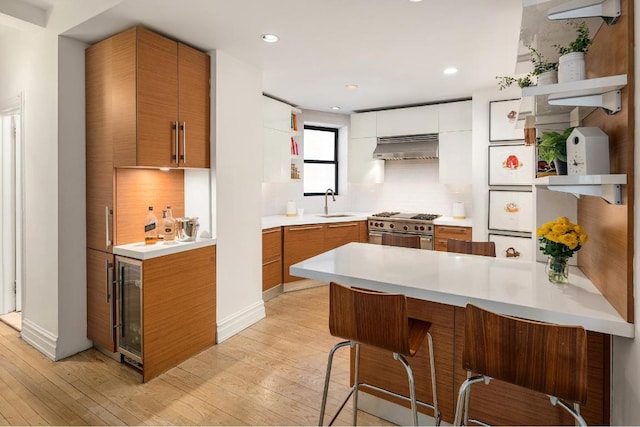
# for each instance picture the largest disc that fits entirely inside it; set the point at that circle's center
(559, 239)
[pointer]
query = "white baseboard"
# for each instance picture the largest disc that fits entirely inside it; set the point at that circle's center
(43, 340)
(390, 411)
(237, 322)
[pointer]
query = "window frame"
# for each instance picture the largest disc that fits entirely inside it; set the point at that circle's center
(326, 162)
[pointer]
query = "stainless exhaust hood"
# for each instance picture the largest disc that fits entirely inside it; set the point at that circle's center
(407, 147)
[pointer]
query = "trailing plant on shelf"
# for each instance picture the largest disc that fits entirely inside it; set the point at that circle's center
(540, 65)
(580, 44)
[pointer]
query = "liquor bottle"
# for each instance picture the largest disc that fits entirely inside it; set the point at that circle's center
(161, 227)
(150, 228)
(169, 226)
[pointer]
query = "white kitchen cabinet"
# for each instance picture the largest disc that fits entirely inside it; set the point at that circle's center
(454, 116)
(455, 157)
(363, 168)
(407, 121)
(363, 125)
(276, 115)
(277, 155)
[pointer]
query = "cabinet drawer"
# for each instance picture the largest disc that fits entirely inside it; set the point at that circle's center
(440, 244)
(446, 232)
(341, 233)
(271, 243)
(271, 273)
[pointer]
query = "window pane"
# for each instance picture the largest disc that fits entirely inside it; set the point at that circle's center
(319, 145)
(318, 177)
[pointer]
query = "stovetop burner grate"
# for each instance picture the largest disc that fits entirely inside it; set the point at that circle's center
(386, 214)
(428, 217)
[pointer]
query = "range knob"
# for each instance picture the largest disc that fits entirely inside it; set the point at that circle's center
(405, 228)
(382, 224)
(375, 224)
(415, 228)
(391, 225)
(422, 228)
(371, 223)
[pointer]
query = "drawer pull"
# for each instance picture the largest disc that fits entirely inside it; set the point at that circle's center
(305, 228)
(274, 230)
(264, 264)
(351, 224)
(453, 229)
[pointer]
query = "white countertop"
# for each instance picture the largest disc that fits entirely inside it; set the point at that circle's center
(513, 287)
(311, 218)
(448, 220)
(142, 251)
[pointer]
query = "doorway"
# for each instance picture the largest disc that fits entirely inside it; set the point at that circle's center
(11, 212)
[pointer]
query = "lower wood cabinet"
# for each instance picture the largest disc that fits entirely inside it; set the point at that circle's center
(100, 299)
(305, 241)
(271, 258)
(446, 232)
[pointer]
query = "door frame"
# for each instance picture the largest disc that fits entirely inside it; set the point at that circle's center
(13, 107)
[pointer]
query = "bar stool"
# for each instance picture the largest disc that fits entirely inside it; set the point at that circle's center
(473, 248)
(544, 357)
(380, 320)
(399, 240)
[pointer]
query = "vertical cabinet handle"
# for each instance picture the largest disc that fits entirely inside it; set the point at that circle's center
(107, 269)
(177, 126)
(184, 142)
(107, 212)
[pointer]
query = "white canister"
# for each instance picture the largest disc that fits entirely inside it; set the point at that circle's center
(548, 78)
(458, 210)
(571, 67)
(291, 208)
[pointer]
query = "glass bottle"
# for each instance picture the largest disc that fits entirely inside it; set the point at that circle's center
(161, 227)
(150, 228)
(169, 226)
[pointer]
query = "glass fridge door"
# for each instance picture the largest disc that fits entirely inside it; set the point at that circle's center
(130, 308)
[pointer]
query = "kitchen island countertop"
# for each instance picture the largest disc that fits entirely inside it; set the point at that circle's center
(311, 218)
(512, 287)
(143, 252)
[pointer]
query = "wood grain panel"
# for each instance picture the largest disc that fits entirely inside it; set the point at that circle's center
(194, 73)
(500, 403)
(124, 98)
(157, 81)
(608, 257)
(99, 154)
(100, 308)
(377, 367)
(271, 243)
(179, 308)
(301, 242)
(442, 233)
(340, 233)
(136, 190)
(364, 232)
(271, 273)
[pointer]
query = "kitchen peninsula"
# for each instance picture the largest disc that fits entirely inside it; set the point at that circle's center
(440, 284)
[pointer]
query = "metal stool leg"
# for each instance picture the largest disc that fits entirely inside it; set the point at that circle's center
(328, 377)
(462, 407)
(575, 411)
(436, 411)
(412, 386)
(356, 383)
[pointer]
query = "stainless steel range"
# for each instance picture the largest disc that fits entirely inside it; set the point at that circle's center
(401, 223)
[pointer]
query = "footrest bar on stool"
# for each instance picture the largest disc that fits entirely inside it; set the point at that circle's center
(399, 396)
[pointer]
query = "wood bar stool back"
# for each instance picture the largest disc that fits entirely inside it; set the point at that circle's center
(544, 357)
(472, 248)
(380, 320)
(399, 240)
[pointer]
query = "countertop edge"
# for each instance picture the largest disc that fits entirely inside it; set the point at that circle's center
(143, 252)
(311, 218)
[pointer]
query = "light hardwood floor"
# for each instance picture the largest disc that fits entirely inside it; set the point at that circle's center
(269, 374)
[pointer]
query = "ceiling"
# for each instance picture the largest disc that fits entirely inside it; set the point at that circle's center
(394, 50)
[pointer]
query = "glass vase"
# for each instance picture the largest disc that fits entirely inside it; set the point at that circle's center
(558, 269)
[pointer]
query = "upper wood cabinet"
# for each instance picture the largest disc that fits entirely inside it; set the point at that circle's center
(161, 102)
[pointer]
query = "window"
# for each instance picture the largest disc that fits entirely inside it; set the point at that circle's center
(320, 160)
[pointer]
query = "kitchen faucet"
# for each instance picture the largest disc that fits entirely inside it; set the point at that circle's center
(326, 194)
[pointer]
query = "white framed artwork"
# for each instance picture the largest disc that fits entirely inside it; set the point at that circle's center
(512, 247)
(511, 210)
(511, 164)
(502, 121)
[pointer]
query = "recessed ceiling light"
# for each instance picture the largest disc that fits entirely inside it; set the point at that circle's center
(450, 70)
(270, 38)
(351, 86)
(415, 1)
(335, 107)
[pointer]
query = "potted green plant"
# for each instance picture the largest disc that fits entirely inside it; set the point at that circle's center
(552, 147)
(571, 62)
(543, 71)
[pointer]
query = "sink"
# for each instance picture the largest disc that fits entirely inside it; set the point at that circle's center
(335, 215)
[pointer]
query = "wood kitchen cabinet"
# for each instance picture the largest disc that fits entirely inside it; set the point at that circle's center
(160, 101)
(305, 241)
(271, 258)
(100, 299)
(446, 232)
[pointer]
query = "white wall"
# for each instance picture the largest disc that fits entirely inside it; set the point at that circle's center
(30, 64)
(238, 205)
